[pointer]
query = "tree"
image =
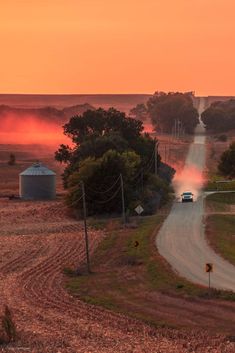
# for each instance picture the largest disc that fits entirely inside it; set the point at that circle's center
(106, 144)
(100, 122)
(222, 138)
(166, 109)
(63, 154)
(96, 132)
(12, 159)
(227, 162)
(220, 116)
(139, 112)
(101, 178)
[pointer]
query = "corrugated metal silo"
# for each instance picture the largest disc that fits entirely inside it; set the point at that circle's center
(37, 183)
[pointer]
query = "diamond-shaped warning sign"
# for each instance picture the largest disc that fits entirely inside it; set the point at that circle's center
(209, 267)
(139, 209)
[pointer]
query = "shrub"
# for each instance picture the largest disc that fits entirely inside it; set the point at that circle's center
(222, 138)
(12, 159)
(227, 162)
(8, 329)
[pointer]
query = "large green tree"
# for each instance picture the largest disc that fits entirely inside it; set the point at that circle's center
(139, 112)
(168, 109)
(220, 116)
(107, 144)
(98, 131)
(102, 181)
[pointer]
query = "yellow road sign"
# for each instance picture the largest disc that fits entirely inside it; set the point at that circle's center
(136, 244)
(209, 267)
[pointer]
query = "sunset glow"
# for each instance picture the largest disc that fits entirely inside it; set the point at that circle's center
(103, 46)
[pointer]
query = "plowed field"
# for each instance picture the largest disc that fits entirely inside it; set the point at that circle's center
(37, 241)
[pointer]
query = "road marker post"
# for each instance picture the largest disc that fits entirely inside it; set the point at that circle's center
(139, 210)
(209, 269)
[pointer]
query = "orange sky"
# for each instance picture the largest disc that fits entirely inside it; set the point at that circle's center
(117, 46)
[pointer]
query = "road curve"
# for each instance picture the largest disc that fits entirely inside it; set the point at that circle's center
(181, 240)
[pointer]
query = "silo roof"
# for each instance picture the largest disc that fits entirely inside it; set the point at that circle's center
(37, 169)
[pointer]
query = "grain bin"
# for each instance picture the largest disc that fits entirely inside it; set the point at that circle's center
(37, 183)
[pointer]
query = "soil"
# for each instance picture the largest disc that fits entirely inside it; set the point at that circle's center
(48, 318)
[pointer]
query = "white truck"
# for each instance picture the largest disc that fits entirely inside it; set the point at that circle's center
(187, 196)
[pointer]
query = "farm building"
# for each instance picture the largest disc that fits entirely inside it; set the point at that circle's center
(37, 183)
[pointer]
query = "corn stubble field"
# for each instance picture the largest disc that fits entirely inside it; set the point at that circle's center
(38, 240)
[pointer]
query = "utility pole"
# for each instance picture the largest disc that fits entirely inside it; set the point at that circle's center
(209, 269)
(175, 129)
(155, 158)
(142, 179)
(178, 129)
(123, 201)
(85, 227)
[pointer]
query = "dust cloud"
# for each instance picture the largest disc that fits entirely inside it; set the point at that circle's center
(191, 177)
(30, 130)
(188, 179)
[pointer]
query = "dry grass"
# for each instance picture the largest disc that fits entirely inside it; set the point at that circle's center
(220, 224)
(220, 230)
(136, 280)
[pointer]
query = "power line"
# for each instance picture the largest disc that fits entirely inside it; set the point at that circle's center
(105, 191)
(139, 178)
(110, 198)
(76, 201)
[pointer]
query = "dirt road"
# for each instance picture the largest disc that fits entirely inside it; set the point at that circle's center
(181, 240)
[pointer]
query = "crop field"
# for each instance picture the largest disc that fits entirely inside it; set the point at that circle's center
(38, 241)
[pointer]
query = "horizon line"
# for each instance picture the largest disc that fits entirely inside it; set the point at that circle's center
(112, 94)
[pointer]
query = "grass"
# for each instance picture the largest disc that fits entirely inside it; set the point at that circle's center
(215, 184)
(220, 202)
(223, 198)
(126, 278)
(220, 231)
(158, 273)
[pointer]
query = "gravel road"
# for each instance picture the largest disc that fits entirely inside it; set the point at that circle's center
(181, 240)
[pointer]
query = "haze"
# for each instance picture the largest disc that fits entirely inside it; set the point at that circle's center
(29, 130)
(103, 46)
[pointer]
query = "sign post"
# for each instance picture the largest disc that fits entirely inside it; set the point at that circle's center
(209, 269)
(139, 209)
